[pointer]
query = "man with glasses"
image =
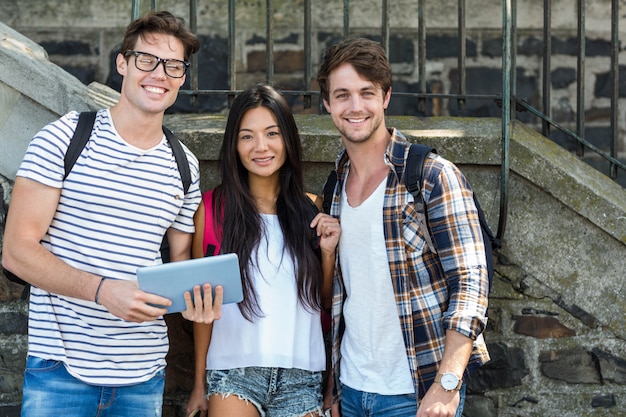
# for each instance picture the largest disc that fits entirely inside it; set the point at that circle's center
(97, 343)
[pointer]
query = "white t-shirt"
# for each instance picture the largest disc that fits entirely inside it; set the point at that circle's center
(373, 355)
(115, 206)
(288, 335)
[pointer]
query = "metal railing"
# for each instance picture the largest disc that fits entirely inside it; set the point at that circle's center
(508, 100)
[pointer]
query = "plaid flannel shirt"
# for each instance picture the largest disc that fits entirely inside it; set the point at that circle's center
(434, 291)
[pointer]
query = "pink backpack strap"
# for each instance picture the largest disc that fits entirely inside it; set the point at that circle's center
(210, 244)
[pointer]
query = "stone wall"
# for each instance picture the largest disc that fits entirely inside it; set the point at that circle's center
(83, 37)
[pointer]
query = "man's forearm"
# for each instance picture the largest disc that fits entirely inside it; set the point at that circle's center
(457, 351)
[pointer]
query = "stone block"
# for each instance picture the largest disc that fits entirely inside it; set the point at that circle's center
(598, 47)
(10, 381)
(575, 366)
(13, 353)
(506, 369)
(13, 322)
(484, 80)
(569, 46)
(442, 46)
(612, 367)
(603, 85)
(604, 401)
(492, 47)
(10, 291)
(401, 50)
(541, 327)
(599, 136)
(10, 410)
(530, 46)
(564, 46)
(562, 77)
(66, 47)
(284, 61)
(479, 406)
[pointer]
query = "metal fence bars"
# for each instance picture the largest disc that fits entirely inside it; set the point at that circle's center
(508, 99)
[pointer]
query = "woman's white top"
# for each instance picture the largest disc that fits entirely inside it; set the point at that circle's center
(287, 335)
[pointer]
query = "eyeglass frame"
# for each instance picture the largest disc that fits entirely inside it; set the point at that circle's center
(158, 61)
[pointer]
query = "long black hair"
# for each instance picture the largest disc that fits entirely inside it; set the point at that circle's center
(240, 217)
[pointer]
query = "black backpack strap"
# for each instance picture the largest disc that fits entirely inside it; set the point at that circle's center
(329, 191)
(79, 140)
(413, 173)
(74, 149)
(185, 177)
(181, 158)
(415, 166)
(487, 233)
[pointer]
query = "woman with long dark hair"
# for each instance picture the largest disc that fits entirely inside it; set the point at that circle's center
(265, 356)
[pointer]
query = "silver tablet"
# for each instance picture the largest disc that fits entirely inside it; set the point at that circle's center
(171, 280)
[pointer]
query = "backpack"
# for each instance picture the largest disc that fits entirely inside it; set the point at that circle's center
(413, 181)
(79, 141)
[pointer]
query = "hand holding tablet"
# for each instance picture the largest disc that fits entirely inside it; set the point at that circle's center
(172, 280)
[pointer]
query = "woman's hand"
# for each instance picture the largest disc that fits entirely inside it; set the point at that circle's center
(328, 229)
(197, 402)
(204, 309)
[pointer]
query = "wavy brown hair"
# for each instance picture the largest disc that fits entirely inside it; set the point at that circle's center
(162, 22)
(366, 56)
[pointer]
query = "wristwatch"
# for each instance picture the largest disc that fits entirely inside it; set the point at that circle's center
(449, 381)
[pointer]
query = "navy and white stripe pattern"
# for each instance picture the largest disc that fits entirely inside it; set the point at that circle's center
(115, 206)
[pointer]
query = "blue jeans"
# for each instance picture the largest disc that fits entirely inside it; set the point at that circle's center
(366, 404)
(50, 391)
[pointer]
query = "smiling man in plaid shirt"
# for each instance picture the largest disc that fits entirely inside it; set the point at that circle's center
(407, 320)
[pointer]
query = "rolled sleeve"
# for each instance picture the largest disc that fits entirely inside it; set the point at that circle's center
(456, 229)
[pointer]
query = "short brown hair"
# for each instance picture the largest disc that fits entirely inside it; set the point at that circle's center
(366, 56)
(160, 22)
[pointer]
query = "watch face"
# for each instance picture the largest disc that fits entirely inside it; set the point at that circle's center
(449, 381)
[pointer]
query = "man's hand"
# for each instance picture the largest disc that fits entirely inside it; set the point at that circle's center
(125, 300)
(204, 309)
(438, 402)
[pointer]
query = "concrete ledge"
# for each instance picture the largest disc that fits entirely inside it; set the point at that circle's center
(34, 92)
(25, 67)
(572, 182)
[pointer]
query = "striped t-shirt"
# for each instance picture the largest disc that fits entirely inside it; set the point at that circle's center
(115, 206)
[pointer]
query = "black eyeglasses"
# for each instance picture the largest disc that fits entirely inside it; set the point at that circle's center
(174, 68)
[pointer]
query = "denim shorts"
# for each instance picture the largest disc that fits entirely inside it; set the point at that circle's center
(275, 392)
(50, 391)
